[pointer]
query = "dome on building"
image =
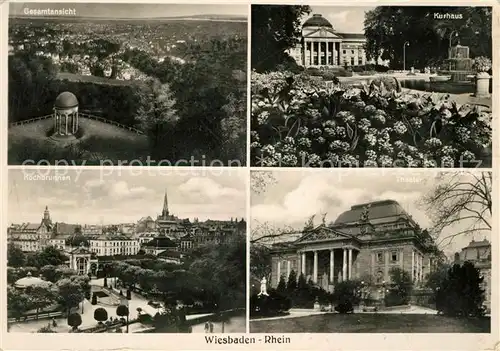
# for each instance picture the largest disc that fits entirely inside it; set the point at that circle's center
(29, 281)
(317, 21)
(376, 210)
(66, 100)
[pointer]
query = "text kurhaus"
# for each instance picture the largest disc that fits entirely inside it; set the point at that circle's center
(445, 16)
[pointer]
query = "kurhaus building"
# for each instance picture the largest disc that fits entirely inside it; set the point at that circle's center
(322, 45)
(363, 243)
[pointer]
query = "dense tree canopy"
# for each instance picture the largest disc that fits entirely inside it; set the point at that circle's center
(387, 28)
(275, 28)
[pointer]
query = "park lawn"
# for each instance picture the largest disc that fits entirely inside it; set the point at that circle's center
(372, 323)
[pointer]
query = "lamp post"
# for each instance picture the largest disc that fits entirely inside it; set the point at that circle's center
(407, 43)
(449, 48)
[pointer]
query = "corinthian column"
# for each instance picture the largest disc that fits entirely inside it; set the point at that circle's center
(315, 268)
(332, 260)
(350, 264)
(303, 263)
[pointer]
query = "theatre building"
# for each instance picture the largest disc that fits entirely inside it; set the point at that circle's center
(363, 243)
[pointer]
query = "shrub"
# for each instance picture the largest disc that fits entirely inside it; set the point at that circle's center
(74, 321)
(460, 294)
(346, 295)
(100, 315)
(271, 305)
(481, 64)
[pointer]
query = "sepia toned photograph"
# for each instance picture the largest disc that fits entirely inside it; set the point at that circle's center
(408, 254)
(130, 84)
(125, 252)
(384, 86)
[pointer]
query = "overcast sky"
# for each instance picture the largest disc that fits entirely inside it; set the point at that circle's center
(296, 195)
(136, 10)
(344, 19)
(92, 196)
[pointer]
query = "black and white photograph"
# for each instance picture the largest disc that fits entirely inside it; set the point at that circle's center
(384, 86)
(411, 253)
(126, 252)
(129, 84)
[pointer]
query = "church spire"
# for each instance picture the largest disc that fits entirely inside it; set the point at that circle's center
(46, 213)
(165, 204)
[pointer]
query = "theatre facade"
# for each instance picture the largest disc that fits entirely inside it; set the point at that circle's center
(364, 243)
(321, 45)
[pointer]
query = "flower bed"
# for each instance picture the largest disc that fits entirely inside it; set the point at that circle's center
(298, 121)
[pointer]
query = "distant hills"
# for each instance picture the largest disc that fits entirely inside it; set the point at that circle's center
(214, 18)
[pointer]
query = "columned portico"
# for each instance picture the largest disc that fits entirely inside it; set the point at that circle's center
(320, 264)
(321, 52)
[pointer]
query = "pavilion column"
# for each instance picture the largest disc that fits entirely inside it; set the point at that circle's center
(311, 46)
(350, 264)
(344, 265)
(327, 54)
(315, 268)
(66, 125)
(279, 273)
(320, 53)
(288, 268)
(303, 263)
(332, 260)
(412, 265)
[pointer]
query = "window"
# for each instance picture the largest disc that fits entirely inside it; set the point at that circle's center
(394, 257)
(344, 52)
(380, 257)
(352, 52)
(352, 61)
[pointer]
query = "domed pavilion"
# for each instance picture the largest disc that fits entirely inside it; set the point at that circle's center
(30, 281)
(65, 115)
(363, 243)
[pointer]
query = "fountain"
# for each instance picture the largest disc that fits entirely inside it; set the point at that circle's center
(460, 65)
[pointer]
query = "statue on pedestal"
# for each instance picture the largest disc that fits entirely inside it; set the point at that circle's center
(263, 287)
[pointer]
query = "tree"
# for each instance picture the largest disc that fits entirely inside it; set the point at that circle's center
(71, 293)
(260, 261)
(460, 198)
(49, 273)
(291, 284)
(123, 311)
(41, 296)
(388, 28)
(18, 302)
(94, 299)
(401, 286)
(51, 256)
(15, 256)
(100, 315)
(461, 294)
(261, 180)
(74, 321)
(156, 112)
(281, 288)
(310, 223)
(275, 28)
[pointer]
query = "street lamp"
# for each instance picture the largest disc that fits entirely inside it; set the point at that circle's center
(407, 43)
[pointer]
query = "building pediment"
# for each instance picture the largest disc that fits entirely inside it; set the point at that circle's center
(322, 32)
(322, 233)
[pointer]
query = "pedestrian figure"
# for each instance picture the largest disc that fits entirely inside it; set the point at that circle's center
(207, 327)
(54, 323)
(211, 327)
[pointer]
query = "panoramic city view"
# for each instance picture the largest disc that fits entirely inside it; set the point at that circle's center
(409, 254)
(385, 86)
(140, 84)
(123, 252)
